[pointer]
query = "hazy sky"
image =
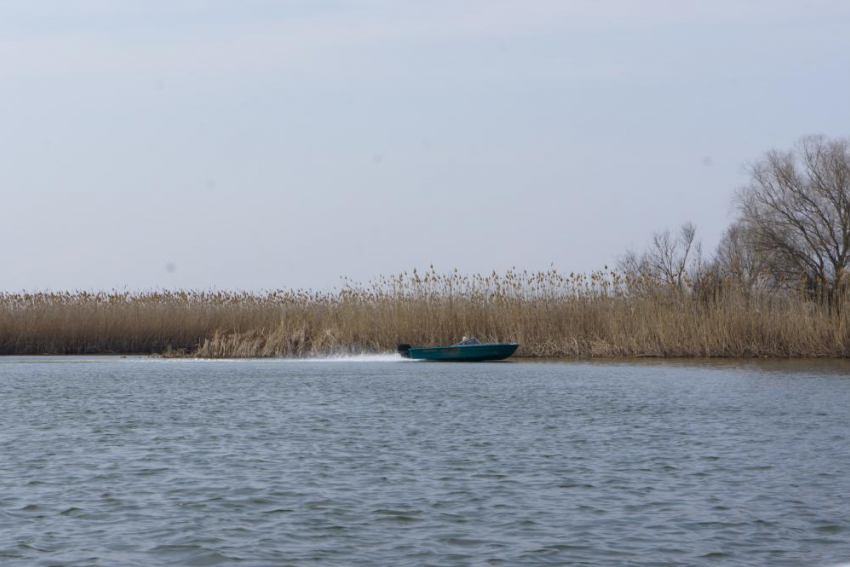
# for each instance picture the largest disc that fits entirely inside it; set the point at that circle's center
(262, 144)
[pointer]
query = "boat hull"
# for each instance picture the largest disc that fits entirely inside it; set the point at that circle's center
(464, 353)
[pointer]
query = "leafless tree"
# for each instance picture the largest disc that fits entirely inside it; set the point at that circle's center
(797, 207)
(669, 258)
(669, 254)
(738, 258)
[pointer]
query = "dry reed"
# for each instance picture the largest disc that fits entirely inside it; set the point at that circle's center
(603, 314)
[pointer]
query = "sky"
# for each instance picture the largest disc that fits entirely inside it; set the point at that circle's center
(259, 144)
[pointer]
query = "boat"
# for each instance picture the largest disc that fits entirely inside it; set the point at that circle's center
(468, 350)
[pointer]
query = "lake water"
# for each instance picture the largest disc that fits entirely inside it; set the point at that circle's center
(378, 461)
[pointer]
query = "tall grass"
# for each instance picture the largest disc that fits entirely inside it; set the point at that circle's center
(603, 314)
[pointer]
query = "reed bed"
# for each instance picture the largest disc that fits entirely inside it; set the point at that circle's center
(603, 314)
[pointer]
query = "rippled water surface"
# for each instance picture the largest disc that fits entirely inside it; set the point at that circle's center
(109, 461)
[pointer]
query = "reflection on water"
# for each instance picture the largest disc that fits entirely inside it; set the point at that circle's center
(110, 461)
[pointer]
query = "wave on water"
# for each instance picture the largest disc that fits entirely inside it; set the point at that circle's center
(379, 357)
(374, 357)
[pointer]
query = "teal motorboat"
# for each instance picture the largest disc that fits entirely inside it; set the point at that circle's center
(468, 350)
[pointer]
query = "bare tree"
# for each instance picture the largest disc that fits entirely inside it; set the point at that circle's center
(797, 205)
(633, 263)
(669, 254)
(668, 259)
(738, 258)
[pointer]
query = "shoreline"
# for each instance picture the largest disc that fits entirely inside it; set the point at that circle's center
(550, 315)
(389, 354)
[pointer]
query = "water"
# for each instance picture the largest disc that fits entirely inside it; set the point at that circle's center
(109, 461)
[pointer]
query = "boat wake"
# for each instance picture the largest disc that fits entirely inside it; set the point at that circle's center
(375, 357)
(384, 357)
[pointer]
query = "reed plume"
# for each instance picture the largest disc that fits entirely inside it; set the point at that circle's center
(603, 314)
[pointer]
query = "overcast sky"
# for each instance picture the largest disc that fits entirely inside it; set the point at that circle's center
(263, 144)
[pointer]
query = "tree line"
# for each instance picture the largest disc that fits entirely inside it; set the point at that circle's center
(791, 234)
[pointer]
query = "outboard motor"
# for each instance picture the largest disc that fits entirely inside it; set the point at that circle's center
(402, 350)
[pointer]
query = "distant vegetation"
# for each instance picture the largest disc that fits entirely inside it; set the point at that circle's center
(792, 234)
(550, 314)
(778, 285)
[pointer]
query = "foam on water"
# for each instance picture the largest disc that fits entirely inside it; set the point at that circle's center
(372, 357)
(136, 359)
(378, 357)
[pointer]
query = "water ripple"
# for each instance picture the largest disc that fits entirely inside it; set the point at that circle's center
(373, 462)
